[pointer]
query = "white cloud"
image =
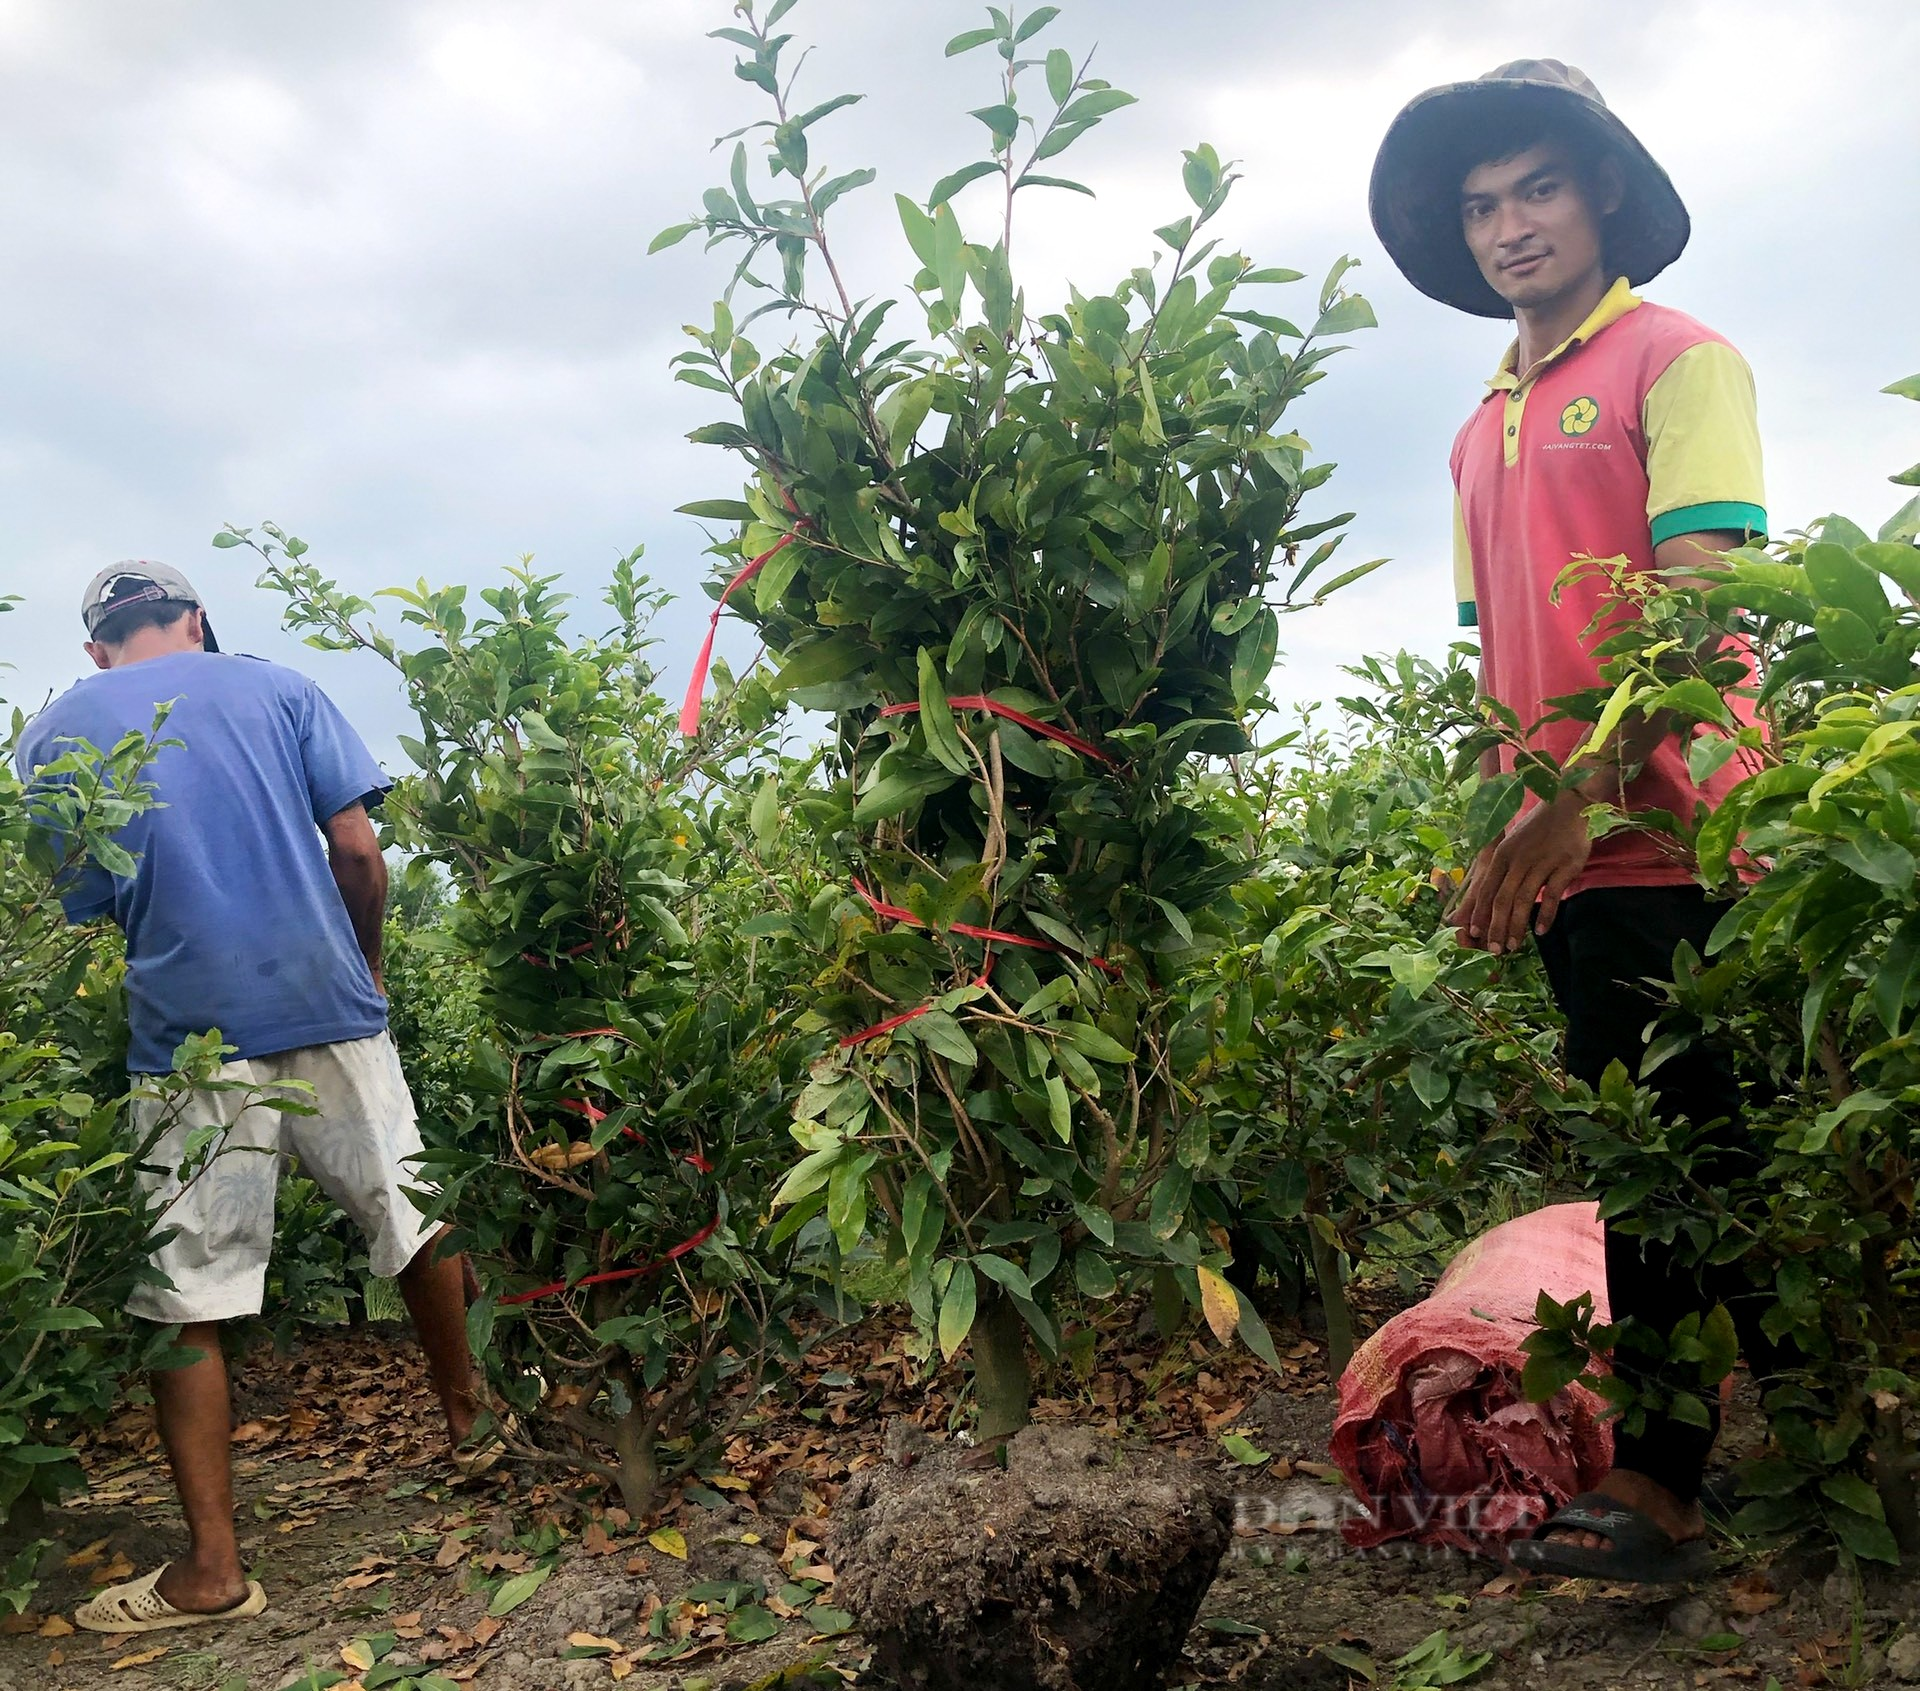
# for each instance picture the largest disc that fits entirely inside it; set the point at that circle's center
(377, 269)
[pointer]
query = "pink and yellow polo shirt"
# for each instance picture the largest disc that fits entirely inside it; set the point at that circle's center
(1638, 428)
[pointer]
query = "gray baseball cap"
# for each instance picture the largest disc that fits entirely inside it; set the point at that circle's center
(139, 581)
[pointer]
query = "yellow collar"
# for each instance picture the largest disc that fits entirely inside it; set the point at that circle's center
(1614, 304)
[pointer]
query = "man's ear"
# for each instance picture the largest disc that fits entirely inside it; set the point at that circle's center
(197, 619)
(1609, 187)
(102, 656)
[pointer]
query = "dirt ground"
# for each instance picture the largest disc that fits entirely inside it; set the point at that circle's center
(381, 1569)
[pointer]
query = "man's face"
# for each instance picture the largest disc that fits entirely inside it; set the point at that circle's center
(1532, 226)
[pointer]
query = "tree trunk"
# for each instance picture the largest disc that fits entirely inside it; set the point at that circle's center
(1002, 1384)
(1894, 1479)
(639, 1462)
(1333, 1299)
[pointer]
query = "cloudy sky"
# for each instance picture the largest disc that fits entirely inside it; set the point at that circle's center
(376, 269)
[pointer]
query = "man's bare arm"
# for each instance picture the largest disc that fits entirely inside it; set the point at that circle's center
(360, 872)
(1520, 881)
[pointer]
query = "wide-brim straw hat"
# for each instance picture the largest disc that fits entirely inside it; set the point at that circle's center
(1434, 142)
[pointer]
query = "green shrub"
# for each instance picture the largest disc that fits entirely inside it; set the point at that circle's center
(1033, 567)
(1814, 976)
(631, 1056)
(1381, 1084)
(74, 1229)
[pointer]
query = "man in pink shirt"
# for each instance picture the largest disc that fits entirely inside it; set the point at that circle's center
(1613, 428)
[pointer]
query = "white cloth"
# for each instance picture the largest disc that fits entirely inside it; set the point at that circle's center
(355, 1147)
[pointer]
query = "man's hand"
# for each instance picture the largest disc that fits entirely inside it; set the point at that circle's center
(1537, 860)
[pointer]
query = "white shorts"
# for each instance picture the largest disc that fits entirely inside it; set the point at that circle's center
(356, 1148)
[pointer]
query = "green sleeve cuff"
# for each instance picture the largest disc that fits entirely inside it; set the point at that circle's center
(1468, 613)
(1734, 514)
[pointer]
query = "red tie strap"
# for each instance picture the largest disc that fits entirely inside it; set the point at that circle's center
(1033, 725)
(608, 1278)
(990, 936)
(697, 682)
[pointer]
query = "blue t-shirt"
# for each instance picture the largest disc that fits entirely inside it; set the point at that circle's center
(232, 919)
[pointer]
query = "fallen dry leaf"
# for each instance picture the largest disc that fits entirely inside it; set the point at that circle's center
(452, 1549)
(595, 1542)
(140, 1660)
(1752, 1595)
(357, 1655)
(86, 1557)
(119, 1568)
(56, 1626)
(621, 1667)
(593, 1641)
(13, 1625)
(485, 1628)
(669, 1541)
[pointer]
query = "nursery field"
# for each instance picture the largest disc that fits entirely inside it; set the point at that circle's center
(932, 1115)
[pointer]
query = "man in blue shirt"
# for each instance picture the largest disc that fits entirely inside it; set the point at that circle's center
(256, 909)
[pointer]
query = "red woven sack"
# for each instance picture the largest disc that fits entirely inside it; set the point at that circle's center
(1434, 1434)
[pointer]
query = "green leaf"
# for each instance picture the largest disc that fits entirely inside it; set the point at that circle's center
(1850, 1491)
(1090, 107)
(811, 1173)
(1093, 1274)
(1840, 579)
(1031, 180)
(1002, 120)
(1869, 1539)
(1090, 1042)
(1035, 21)
(1896, 983)
(948, 186)
(967, 40)
(847, 1201)
(1059, 1109)
(722, 510)
(671, 236)
(919, 229)
(1908, 387)
(1345, 316)
(1060, 75)
(957, 1309)
(936, 718)
(516, 1591)
(1243, 1451)
(751, 1624)
(821, 661)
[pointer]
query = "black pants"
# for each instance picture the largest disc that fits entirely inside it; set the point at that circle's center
(1599, 954)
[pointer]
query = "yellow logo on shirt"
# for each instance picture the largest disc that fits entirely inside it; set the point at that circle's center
(1579, 416)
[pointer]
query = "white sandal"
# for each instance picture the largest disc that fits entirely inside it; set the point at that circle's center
(137, 1606)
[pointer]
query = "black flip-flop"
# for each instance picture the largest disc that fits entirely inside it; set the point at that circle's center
(1638, 1552)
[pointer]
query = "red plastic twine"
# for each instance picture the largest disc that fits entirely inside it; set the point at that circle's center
(697, 682)
(595, 1116)
(992, 936)
(612, 1275)
(979, 701)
